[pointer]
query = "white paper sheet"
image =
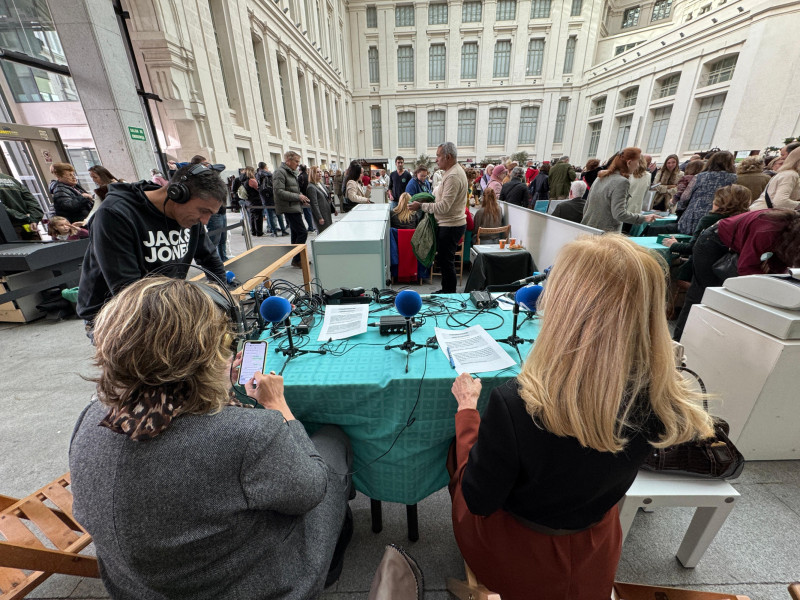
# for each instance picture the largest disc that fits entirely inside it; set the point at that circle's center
(343, 321)
(473, 350)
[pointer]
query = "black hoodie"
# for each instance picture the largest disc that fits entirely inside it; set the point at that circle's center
(129, 238)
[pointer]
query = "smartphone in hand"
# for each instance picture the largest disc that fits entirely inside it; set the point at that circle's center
(254, 358)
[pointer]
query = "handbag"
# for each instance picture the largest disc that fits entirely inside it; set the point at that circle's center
(398, 577)
(727, 265)
(713, 458)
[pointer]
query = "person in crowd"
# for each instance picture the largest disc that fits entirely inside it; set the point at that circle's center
(562, 174)
(589, 174)
(536, 479)
(62, 230)
(640, 183)
(448, 209)
(338, 186)
(302, 180)
(255, 206)
(436, 180)
(238, 502)
(142, 227)
(606, 207)
(776, 164)
(22, 208)
(398, 180)
(515, 191)
(267, 192)
(487, 175)
(651, 167)
(572, 209)
(530, 173)
(765, 240)
(320, 198)
(784, 188)
(488, 215)
(540, 186)
(157, 177)
(718, 172)
(510, 165)
(383, 178)
(684, 183)
(419, 183)
(403, 218)
(70, 200)
(692, 158)
(728, 201)
(750, 174)
(289, 201)
(496, 179)
(665, 183)
(101, 176)
(354, 192)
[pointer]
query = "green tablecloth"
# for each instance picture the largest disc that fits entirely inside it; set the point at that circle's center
(639, 230)
(364, 389)
(652, 244)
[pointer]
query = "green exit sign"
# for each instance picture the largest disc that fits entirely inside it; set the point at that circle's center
(137, 133)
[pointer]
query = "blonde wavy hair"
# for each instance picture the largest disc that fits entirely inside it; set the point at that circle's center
(159, 333)
(604, 341)
(402, 211)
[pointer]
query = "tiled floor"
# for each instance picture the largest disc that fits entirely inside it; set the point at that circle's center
(42, 390)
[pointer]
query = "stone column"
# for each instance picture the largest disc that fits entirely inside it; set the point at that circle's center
(96, 54)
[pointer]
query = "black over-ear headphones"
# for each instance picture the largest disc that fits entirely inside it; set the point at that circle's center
(178, 192)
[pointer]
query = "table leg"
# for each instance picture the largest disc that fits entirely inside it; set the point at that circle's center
(377, 515)
(413, 524)
(704, 526)
(306, 269)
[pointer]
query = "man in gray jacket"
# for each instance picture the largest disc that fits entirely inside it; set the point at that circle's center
(289, 201)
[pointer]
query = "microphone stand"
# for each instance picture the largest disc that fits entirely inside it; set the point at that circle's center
(410, 346)
(293, 351)
(514, 340)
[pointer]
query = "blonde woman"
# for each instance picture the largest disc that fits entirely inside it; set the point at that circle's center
(321, 205)
(185, 492)
(402, 217)
(536, 479)
(640, 183)
(784, 188)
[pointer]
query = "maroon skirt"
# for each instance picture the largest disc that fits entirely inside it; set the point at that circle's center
(521, 564)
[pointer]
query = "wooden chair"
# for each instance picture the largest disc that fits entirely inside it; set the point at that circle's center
(27, 556)
(503, 231)
(471, 589)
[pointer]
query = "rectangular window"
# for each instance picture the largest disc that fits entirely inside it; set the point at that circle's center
(661, 10)
(625, 48)
(405, 64)
(406, 129)
(437, 63)
(437, 14)
(377, 135)
(667, 86)
(404, 16)
(535, 57)
(528, 120)
(561, 120)
(705, 9)
(497, 126)
(372, 17)
(594, 138)
(658, 129)
(630, 18)
(598, 107)
(374, 66)
(623, 131)
(629, 97)
(569, 54)
(722, 70)
(471, 12)
(466, 127)
(469, 60)
(435, 128)
(502, 58)
(506, 10)
(577, 8)
(706, 123)
(540, 9)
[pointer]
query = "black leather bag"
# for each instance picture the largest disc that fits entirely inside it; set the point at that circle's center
(728, 264)
(713, 458)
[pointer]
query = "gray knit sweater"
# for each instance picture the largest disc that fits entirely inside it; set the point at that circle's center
(231, 505)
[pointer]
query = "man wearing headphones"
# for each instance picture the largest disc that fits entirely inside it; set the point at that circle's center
(141, 227)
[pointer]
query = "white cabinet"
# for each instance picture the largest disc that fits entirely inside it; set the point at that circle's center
(353, 253)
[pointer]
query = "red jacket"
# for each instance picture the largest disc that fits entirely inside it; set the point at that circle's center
(751, 234)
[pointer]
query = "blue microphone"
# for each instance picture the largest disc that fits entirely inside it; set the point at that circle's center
(275, 309)
(527, 297)
(408, 303)
(230, 276)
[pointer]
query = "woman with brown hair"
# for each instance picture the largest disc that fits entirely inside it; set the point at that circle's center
(536, 479)
(718, 172)
(488, 215)
(607, 207)
(750, 174)
(666, 183)
(684, 183)
(590, 172)
(402, 217)
(186, 493)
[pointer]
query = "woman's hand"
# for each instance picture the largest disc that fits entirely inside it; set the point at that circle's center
(467, 391)
(668, 241)
(234, 366)
(650, 218)
(268, 390)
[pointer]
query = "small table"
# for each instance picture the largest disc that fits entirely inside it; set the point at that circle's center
(641, 229)
(521, 265)
(652, 244)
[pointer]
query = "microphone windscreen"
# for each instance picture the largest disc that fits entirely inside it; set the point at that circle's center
(408, 303)
(230, 276)
(275, 309)
(528, 296)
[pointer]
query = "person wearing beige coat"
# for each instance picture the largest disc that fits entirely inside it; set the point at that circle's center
(784, 188)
